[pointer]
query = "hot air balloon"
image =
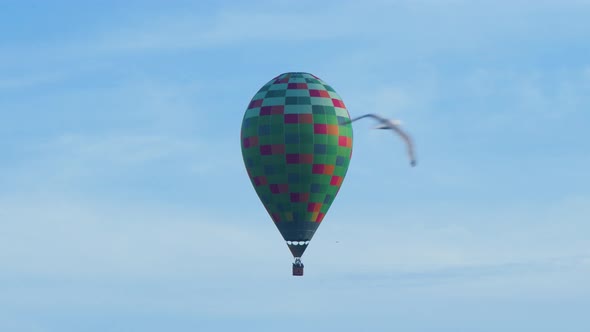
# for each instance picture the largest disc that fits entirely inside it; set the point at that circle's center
(296, 143)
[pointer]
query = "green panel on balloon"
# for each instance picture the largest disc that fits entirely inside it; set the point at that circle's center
(296, 142)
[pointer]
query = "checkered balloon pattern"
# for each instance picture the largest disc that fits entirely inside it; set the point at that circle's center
(296, 143)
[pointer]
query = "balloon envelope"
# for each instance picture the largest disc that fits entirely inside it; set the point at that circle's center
(296, 142)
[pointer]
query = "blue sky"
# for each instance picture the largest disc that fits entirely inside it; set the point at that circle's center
(125, 205)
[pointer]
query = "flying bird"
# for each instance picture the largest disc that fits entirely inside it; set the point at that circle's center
(395, 126)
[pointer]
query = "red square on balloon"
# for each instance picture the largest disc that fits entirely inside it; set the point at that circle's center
(320, 128)
(255, 103)
(260, 180)
(265, 150)
(277, 148)
(329, 169)
(291, 118)
(306, 118)
(298, 86)
(345, 141)
(314, 207)
(250, 141)
(299, 197)
(337, 103)
(277, 109)
(318, 169)
(336, 180)
(292, 158)
(283, 188)
(276, 217)
(319, 93)
(306, 158)
(320, 217)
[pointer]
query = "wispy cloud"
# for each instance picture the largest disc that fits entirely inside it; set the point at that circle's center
(66, 238)
(20, 82)
(230, 27)
(82, 162)
(120, 149)
(194, 30)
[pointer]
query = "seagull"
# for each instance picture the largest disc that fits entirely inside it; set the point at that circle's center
(395, 126)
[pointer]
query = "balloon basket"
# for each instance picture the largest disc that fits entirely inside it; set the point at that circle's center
(298, 267)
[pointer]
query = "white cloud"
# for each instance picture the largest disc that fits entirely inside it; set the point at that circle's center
(450, 237)
(120, 149)
(60, 236)
(65, 238)
(156, 259)
(80, 163)
(23, 82)
(229, 27)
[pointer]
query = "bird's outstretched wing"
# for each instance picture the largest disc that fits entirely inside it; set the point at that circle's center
(370, 115)
(409, 143)
(391, 124)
